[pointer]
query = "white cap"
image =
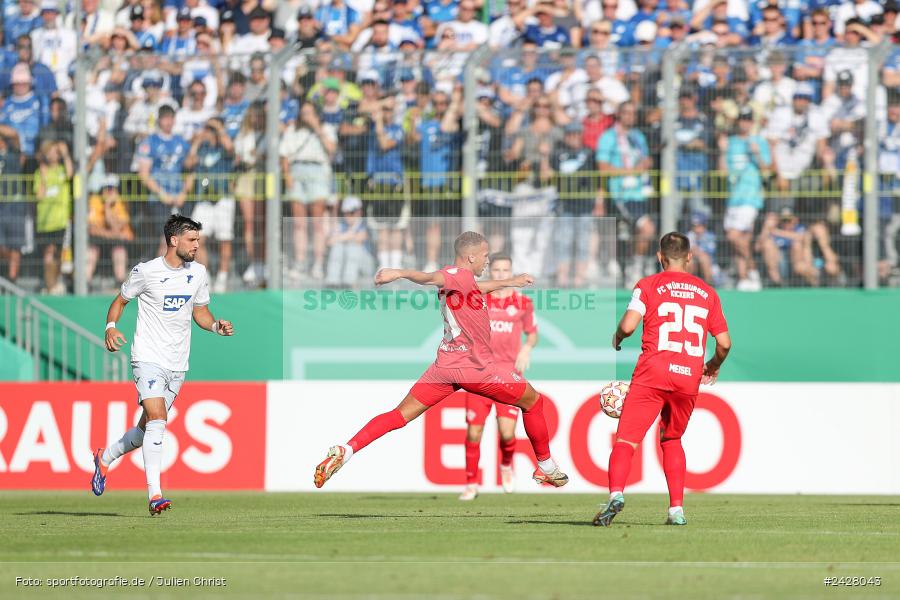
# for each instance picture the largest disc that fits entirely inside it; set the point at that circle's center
(350, 204)
(645, 31)
(369, 75)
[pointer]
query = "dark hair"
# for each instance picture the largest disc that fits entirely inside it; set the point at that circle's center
(501, 256)
(166, 110)
(467, 239)
(178, 225)
(674, 246)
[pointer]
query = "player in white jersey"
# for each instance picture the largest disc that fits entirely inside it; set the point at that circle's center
(171, 290)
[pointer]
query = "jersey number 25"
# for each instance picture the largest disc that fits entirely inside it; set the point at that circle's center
(684, 319)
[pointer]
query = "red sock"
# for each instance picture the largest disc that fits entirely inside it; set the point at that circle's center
(507, 448)
(619, 465)
(376, 428)
(675, 467)
(473, 455)
(536, 429)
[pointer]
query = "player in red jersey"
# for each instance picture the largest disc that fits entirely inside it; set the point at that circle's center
(511, 315)
(464, 361)
(678, 309)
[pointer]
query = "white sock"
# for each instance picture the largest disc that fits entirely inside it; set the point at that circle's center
(675, 509)
(384, 259)
(348, 452)
(132, 440)
(152, 450)
(614, 494)
(396, 259)
(547, 466)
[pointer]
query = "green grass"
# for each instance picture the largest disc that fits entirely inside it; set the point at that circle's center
(432, 546)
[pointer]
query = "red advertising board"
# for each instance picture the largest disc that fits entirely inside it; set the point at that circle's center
(215, 438)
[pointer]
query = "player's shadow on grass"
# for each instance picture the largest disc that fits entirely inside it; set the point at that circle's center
(581, 523)
(547, 522)
(60, 513)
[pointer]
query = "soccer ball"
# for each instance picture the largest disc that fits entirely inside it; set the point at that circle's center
(612, 398)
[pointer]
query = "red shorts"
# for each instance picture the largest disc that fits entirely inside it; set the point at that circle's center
(493, 382)
(478, 408)
(643, 404)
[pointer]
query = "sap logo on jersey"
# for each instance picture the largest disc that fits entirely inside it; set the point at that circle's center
(173, 303)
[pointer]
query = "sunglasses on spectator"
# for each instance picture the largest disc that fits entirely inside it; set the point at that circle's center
(600, 31)
(771, 19)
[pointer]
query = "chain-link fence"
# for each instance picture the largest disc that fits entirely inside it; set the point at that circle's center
(764, 156)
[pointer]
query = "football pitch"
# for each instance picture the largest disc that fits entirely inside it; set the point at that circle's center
(374, 546)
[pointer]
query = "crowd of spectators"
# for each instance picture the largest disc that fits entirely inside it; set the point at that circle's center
(771, 110)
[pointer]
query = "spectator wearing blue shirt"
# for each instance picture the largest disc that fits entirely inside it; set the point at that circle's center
(183, 43)
(703, 245)
(693, 140)
(161, 157)
(809, 60)
(545, 33)
(647, 12)
(792, 12)
(339, 22)
(439, 144)
(24, 111)
(384, 167)
(624, 156)
(406, 19)
(642, 68)
(618, 27)
(771, 30)
(290, 108)
(140, 27)
(437, 12)
(349, 255)
(745, 157)
(28, 19)
(786, 242)
(235, 104)
(44, 83)
(716, 12)
(513, 76)
(409, 67)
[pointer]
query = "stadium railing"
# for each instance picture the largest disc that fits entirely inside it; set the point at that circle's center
(60, 349)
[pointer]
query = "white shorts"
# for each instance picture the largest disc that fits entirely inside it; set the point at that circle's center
(740, 218)
(217, 219)
(153, 381)
(312, 182)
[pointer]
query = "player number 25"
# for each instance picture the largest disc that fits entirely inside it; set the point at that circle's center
(685, 319)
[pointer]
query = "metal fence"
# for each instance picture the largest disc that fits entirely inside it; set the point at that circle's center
(60, 349)
(780, 163)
